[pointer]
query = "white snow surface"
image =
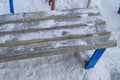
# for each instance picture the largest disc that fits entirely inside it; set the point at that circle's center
(67, 66)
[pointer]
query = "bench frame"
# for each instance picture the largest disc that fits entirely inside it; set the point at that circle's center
(94, 59)
(11, 4)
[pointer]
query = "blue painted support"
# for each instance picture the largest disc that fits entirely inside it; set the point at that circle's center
(11, 6)
(94, 59)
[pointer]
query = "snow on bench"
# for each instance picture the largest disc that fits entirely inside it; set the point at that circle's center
(30, 35)
(38, 16)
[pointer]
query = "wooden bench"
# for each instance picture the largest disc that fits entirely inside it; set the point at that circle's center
(38, 34)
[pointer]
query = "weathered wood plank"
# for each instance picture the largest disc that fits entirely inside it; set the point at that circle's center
(38, 16)
(50, 39)
(52, 28)
(17, 20)
(51, 33)
(55, 44)
(61, 50)
(50, 23)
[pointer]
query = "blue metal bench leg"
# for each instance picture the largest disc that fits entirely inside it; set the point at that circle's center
(94, 59)
(11, 6)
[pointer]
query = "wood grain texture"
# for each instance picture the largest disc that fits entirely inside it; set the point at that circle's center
(52, 28)
(58, 51)
(50, 39)
(39, 16)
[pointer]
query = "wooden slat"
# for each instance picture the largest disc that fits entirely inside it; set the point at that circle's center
(50, 39)
(52, 28)
(38, 16)
(61, 50)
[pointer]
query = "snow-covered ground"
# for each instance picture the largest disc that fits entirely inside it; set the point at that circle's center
(65, 67)
(109, 66)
